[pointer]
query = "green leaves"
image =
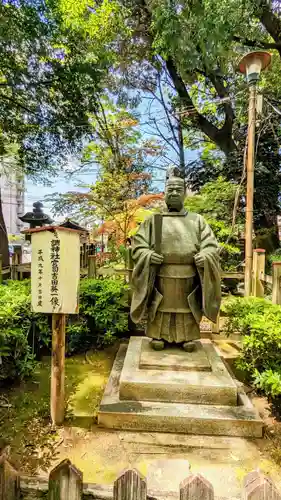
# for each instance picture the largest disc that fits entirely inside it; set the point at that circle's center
(16, 321)
(47, 87)
(215, 202)
(259, 323)
(102, 315)
(268, 381)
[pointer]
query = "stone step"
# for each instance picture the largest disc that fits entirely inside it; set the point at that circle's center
(241, 421)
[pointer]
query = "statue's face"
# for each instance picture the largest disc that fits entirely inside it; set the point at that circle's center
(175, 194)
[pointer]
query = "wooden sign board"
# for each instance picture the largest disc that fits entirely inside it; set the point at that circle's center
(55, 270)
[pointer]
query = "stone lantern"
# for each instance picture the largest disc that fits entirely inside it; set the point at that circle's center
(36, 218)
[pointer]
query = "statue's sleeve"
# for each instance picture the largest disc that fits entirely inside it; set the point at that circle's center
(210, 275)
(141, 276)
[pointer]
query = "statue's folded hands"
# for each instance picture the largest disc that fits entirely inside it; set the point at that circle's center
(199, 260)
(156, 258)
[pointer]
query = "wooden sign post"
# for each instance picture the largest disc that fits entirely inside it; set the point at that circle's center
(55, 276)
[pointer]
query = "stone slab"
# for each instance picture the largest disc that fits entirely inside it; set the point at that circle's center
(173, 358)
(198, 387)
(240, 421)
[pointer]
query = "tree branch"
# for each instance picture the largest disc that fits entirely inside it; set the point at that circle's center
(18, 104)
(221, 137)
(257, 43)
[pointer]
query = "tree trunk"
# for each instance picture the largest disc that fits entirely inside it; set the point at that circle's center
(271, 22)
(4, 248)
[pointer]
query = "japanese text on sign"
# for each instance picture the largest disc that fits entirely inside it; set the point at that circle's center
(55, 271)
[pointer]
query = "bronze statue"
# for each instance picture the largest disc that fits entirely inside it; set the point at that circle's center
(176, 276)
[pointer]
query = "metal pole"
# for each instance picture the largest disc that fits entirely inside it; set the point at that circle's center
(250, 190)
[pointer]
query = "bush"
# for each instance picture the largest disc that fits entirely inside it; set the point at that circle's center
(269, 382)
(17, 324)
(102, 317)
(102, 314)
(259, 323)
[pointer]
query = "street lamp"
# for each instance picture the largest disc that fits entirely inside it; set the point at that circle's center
(251, 64)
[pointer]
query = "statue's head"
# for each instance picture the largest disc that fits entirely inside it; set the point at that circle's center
(175, 191)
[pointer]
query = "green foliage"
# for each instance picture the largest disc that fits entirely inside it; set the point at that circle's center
(215, 202)
(102, 317)
(102, 314)
(16, 325)
(259, 323)
(239, 313)
(47, 85)
(269, 382)
(49, 82)
(275, 256)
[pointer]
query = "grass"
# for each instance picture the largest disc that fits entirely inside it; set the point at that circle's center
(25, 427)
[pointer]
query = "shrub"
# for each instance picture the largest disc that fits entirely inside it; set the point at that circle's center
(102, 314)
(259, 323)
(271, 258)
(17, 324)
(269, 382)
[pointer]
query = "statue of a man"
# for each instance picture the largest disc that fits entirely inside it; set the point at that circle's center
(176, 276)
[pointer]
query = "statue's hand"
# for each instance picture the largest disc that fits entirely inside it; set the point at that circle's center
(199, 260)
(156, 258)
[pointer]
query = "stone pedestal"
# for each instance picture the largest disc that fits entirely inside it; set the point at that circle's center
(175, 391)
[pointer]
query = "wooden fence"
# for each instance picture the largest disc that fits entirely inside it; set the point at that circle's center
(66, 483)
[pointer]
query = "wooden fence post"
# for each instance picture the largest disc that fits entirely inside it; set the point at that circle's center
(276, 283)
(196, 486)
(258, 272)
(57, 369)
(92, 267)
(130, 485)
(1, 267)
(14, 274)
(259, 487)
(65, 482)
(9, 481)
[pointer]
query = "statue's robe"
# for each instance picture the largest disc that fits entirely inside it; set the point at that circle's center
(177, 293)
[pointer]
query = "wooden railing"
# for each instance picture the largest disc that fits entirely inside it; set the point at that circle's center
(66, 483)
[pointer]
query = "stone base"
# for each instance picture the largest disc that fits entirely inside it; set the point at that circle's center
(241, 420)
(172, 358)
(192, 384)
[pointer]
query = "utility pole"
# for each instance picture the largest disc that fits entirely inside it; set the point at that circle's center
(251, 64)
